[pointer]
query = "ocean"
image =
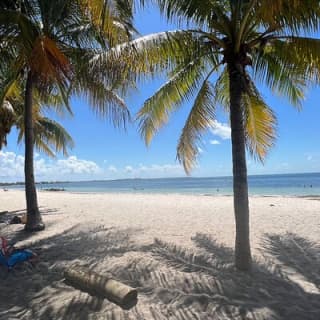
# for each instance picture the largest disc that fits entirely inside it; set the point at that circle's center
(278, 184)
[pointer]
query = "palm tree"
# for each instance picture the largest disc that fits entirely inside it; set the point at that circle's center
(217, 59)
(50, 137)
(50, 43)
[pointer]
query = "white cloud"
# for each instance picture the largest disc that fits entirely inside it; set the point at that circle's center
(214, 142)
(200, 150)
(112, 169)
(221, 130)
(73, 168)
(11, 165)
(157, 171)
(128, 169)
(77, 166)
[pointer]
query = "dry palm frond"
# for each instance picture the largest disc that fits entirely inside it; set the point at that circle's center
(48, 63)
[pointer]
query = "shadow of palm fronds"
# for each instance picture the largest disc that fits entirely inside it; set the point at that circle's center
(174, 282)
(15, 232)
(211, 277)
(217, 251)
(27, 291)
(78, 307)
(296, 253)
(186, 260)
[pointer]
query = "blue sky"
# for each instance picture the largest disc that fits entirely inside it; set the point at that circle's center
(103, 152)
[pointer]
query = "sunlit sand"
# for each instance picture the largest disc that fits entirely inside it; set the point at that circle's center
(177, 250)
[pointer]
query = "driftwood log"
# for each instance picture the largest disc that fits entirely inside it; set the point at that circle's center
(102, 286)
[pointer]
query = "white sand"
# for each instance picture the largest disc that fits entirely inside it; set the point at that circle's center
(186, 274)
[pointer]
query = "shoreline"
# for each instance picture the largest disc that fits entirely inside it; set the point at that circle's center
(315, 196)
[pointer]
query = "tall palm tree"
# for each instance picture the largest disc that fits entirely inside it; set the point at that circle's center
(217, 59)
(50, 44)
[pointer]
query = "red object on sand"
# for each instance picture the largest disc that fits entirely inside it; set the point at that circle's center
(3, 245)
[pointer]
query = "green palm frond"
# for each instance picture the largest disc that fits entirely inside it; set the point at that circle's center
(210, 13)
(107, 104)
(7, 119)
(179, 88)
(260, 123)
(100, 89)
(53, 134)
(281, 74)
(287, 15)
(113, 19)
(17, 23)
(55, 99)
(50, 136)
(43, 147)
(149, 54)
(8, 80)
(199, 119)
(302, 54)
(221, 89)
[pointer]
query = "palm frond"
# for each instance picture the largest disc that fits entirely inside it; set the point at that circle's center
(112, 18)
(53, 98)
(150, 54)
(106, 103)
(43, 147)
(50, 133)
(179, 88)
(48, 63)
(199, 119)
(8, 80)
(287, 15)
(210, 13)
(7, 119)
(260, 123)
(302, 53)
(282, 73)
(221, 89)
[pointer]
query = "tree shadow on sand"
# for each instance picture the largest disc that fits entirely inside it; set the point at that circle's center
(34, 293)
(173, 282)
(297, 253)
(210, 284)
(19, 234)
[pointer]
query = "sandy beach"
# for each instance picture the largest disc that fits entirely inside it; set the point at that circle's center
(177, 250)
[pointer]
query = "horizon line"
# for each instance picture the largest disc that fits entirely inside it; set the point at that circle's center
(137, 178)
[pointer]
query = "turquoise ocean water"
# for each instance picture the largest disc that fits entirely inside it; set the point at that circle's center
(280, 184)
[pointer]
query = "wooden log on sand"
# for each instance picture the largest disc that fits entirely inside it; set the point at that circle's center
(94, 283)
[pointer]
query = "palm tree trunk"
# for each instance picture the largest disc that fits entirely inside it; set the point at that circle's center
(34, 220)
(240, 183)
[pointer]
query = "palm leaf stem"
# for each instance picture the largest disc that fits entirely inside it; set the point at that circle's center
(244, 25)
